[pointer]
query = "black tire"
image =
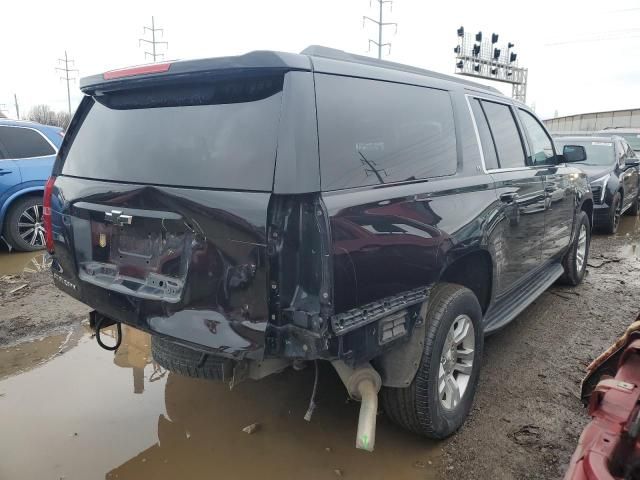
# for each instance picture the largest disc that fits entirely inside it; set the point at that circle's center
(613, 220)
(418, 407)
(189, 362)
(12, 231)
(634, 209)
(573, 272)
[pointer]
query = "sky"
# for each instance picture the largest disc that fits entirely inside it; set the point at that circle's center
(582, 56)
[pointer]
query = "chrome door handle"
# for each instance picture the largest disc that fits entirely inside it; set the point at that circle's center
(509, 197)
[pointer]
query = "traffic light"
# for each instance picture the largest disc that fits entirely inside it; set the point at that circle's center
(476, 50)
(496, 53)
(512, 57)
(460, 64)
(479, 37)
(494, 38)
(461, 32)
(457, 50)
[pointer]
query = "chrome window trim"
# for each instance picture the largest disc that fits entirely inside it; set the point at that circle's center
(469, 97)
(55, 150)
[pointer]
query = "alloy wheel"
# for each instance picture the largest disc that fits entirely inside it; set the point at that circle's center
(30, 226)
(581, 250)
(456, 362)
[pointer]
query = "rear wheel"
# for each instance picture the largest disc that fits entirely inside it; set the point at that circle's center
(439, 398)
(189, 362)
(24, 229)
(575, 261)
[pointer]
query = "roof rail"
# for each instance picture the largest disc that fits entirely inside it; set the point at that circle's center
(335, 54)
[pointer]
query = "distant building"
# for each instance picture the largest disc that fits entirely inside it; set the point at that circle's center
(2, 115)
(586, 122)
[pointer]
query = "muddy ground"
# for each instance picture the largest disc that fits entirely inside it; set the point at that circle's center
(71, 410)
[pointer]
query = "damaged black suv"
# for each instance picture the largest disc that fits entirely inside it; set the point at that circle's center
(257, 211)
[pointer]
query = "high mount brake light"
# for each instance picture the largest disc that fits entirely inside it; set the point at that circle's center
(46, 214)
(139, 70)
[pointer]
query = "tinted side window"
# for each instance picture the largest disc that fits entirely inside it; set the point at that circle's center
(374, 132)
(21, 142)
(505, 133)
(488, 147)
(539, 141)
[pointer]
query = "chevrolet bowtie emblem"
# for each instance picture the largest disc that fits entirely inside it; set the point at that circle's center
(118, 218)
(102, 241)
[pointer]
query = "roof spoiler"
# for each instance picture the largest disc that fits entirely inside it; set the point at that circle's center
(155, 72)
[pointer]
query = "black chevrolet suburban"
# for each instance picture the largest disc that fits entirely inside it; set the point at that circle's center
(262, 211)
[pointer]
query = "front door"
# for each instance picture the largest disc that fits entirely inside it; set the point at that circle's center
(558, 186)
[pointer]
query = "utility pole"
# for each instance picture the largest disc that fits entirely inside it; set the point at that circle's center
(153, 53)
(381, 24)
(15, 102)
(67, 77)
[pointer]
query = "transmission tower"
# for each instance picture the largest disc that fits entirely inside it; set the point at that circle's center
(153, 53)
(67, 75)
(381, 24)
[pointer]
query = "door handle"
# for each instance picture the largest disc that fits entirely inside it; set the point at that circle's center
(508, 197)
(4, 172)
(549, 189)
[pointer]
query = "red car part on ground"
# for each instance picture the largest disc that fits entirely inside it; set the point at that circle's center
(609, 446)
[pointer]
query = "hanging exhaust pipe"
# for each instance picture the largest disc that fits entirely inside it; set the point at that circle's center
(363, 384)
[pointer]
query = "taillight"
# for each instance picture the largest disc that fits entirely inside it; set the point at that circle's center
(139, 70)
(46, 214)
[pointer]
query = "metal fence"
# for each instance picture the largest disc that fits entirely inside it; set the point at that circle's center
(586, 122)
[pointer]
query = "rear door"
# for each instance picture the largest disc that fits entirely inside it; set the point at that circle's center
(519, 187)
(9, 171)
(629, 175)
(160, 208)
(33, 152)
(558, 186)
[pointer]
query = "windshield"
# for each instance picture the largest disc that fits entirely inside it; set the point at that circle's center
(633, 139)
(598, 152)
(219, 134)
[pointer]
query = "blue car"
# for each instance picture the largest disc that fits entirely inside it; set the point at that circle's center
(27, 153)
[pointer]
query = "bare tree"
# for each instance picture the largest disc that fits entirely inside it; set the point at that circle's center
(45, 115)
(42, 114)
(62, 119)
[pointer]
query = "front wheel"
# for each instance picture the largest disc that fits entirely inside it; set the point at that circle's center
(634, 209)
(575, 261)
(439, 398)
(613, 219)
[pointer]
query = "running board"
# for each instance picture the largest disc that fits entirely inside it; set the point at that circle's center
(505, 310)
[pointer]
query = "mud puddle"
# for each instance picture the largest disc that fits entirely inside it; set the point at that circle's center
(86, 413)
(629, 231)
(16, 263)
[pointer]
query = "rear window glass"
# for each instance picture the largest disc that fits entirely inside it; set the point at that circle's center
(374, 132)
(488, 147)
(219, 134)
(21, 142)
(505, 134)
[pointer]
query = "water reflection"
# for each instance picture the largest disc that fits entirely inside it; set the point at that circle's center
(80, 416)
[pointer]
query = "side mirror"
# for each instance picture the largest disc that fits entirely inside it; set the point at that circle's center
(632, 162)
(574, 153)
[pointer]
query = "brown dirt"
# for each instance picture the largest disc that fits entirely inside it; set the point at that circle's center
(528, 416)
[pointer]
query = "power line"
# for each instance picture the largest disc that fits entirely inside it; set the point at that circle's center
(66, 77)
(153, 53)
(381, 24)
